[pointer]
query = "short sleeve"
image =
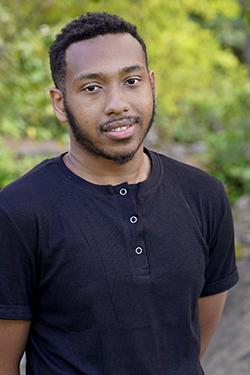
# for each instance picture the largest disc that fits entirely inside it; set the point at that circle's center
(17, 266)
(221, 272)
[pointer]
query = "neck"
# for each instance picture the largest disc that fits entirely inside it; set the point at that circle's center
(100, 171)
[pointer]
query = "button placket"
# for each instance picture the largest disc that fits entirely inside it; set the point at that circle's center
(136, 247)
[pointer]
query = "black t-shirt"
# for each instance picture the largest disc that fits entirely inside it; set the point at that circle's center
(110, 275)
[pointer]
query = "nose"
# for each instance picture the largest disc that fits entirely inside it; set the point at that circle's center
(116, 102)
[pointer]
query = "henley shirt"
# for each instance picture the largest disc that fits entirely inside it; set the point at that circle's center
(110, 276)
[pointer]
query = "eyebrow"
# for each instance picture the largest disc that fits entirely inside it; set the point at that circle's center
(98, 75)
(132, 68)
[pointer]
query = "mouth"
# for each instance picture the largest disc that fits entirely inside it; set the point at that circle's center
(120, 129)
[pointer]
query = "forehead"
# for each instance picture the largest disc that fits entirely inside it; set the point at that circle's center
(104, 53)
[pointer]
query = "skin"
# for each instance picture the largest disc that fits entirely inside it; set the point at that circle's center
(118, 93)
(13, 338)
(210, 312)
(121, 87)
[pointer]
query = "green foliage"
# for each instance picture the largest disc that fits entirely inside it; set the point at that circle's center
(12, 165)
(25, 107)
(195, 48)
(228, 149)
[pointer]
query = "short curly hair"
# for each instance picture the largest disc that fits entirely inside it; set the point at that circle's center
(82, 28)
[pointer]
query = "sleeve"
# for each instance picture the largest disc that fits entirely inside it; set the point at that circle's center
(221, 271)
(17, 271)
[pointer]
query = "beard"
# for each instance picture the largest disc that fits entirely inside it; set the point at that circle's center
(88, 144)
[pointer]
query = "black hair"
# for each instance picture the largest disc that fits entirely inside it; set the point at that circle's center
(82, 28)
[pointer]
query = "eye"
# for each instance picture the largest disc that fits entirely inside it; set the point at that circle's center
(91, 88)
(133, 81)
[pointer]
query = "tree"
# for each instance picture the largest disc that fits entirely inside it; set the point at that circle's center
(194, 47)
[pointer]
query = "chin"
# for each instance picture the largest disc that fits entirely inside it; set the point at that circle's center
(123, 156)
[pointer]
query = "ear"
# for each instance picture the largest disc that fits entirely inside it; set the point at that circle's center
(152, 80)
(56, 97)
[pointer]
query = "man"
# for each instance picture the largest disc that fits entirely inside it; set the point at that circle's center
(115, 260)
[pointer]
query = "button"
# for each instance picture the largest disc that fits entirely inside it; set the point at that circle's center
(123, 191)
(138, 250)
(133, 219)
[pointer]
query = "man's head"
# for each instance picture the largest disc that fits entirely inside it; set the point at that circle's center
(103, 87)
(83, 28)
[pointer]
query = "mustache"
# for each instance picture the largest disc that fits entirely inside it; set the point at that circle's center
(130, 119)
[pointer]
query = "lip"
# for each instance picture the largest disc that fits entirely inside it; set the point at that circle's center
(118, 124)
(122, 134)
(129, 123)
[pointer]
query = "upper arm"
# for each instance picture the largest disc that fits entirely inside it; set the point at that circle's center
(218, 231)
(210, 311)
(17, 285)
(13, 338)
(211, 308)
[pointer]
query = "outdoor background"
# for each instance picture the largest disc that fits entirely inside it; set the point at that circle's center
(200, 51)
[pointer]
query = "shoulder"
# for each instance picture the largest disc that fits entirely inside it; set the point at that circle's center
(189, 179)
(40, 173)
(32, 189)
(202, 193)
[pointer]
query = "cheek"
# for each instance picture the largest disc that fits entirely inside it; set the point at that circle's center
(88, 106)
(147, 97)
(145, 106)
(86, 114)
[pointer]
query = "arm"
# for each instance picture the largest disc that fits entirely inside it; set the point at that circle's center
(210, 311)
(13, 338)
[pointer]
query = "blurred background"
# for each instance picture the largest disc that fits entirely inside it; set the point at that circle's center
(200, 51)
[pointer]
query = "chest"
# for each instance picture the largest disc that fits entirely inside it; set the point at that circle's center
(104, 262)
